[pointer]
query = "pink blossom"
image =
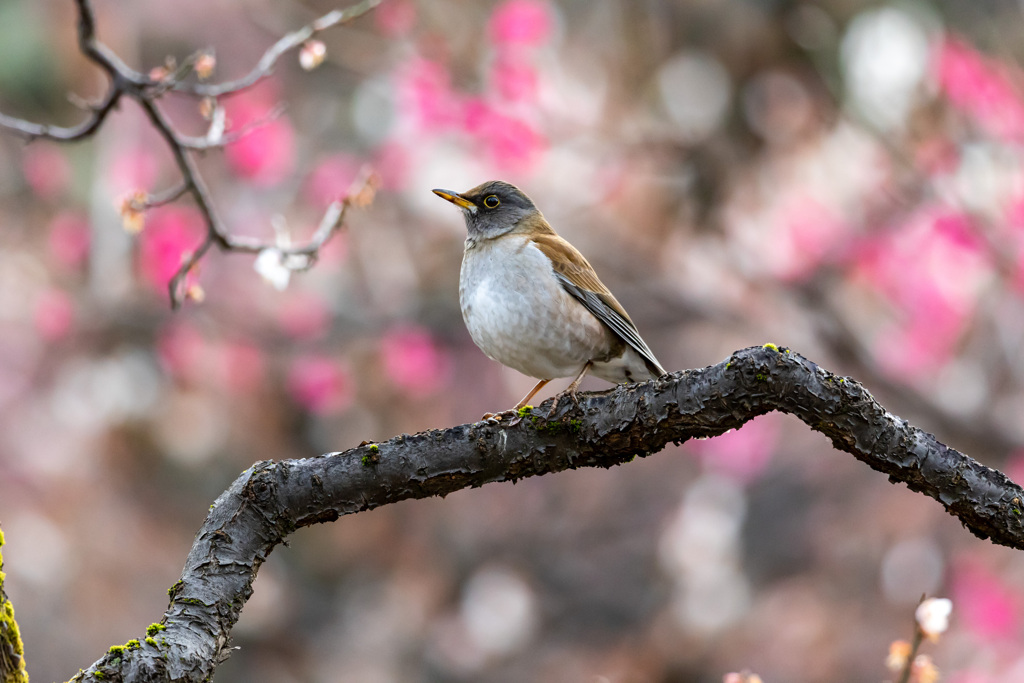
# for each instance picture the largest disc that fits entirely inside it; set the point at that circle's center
(181, 349)
(331, 179)
(395, 18)
(911, 265)
(414, 362)
(920, 346)
(46, 170)
(982, 87)
(813, 232)
(320, 384)
(265, 155)
(959, 231)
(54, 315)
(514, 79)
(425, 95)
(988, 607)
(69, 239)
(171, 233)
(510, 143)
(522, 22)
(742, 453)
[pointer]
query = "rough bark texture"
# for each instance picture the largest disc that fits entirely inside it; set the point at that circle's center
(12, 659)
(272, 499)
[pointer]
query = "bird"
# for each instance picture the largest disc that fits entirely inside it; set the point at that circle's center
(532, 302)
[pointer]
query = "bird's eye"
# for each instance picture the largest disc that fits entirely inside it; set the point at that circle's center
(492, 201)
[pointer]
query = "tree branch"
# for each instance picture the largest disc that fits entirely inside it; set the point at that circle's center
(12, 655)
(288, 42)
(270, 500)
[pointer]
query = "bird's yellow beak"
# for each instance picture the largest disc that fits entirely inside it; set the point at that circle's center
(456, 199)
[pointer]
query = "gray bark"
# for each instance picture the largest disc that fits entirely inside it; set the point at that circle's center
(272, 499)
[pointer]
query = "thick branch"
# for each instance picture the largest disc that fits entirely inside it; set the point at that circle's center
(272, 499)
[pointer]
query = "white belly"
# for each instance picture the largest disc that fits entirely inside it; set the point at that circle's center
(519, 315)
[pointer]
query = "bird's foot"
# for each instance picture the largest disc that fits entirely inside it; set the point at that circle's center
(571, 393)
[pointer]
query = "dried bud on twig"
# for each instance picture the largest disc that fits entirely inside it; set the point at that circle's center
(133, 211)
(204, 65)
(899, 654)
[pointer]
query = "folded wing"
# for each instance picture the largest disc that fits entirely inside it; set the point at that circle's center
(578, 278)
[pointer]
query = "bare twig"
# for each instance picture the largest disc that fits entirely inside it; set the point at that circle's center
(266, 64)
(32, 131)
(216, 141)
(333, 220)
(125, 81)
(166, 197)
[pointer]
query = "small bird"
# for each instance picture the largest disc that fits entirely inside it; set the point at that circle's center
(532, 302)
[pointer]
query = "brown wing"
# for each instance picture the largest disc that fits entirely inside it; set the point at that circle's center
(579, 279)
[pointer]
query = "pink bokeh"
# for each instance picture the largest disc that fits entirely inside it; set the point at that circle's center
(743, 453)
(987, 606)
(244, 367)
(521, 22)
(983, 88)
(181, 350)
(812, 232)
(54, 315)
(320, 384)
(305, 315)
(425, 97)
(514, 79)
(265, 155)
(395, 18)
(500, 121)
(170, 234)
(331, 179)
(414, 362)
(133, 168)
(913, 266)
(46, 170)
(508, 142)
(69, 239)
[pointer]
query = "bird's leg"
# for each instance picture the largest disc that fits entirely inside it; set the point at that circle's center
(571, 389)
(526, 399)
(533, 392)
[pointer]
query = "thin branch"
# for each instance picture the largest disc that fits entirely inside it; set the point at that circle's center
(126, 81)
(166, 197)
(270, 500)
(32, 131)
(208, 141)
(289, 42)
(359, 194)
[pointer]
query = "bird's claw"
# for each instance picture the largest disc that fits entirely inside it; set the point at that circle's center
(571, 393)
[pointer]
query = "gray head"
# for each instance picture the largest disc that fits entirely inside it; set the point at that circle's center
(491, 209)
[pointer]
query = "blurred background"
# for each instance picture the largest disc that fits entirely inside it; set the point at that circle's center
(844, 178)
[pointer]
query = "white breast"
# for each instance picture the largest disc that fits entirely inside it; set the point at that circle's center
(518, 313)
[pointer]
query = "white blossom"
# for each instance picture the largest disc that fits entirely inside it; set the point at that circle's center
(933, 616)
(271, 267)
